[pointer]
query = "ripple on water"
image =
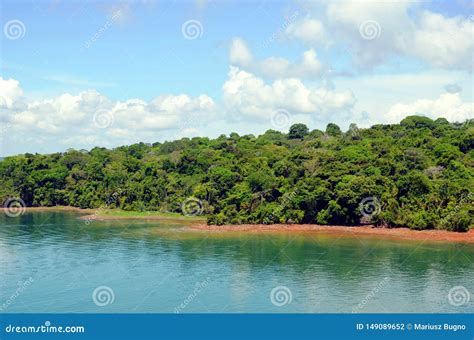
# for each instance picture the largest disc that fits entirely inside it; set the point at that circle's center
(158, 267)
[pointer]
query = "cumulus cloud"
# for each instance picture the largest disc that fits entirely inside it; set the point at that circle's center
(239, 53)
(274, 67)
(308, 30)
(448, 105)
(90, 118)
(10, 92)
(444, 42)
(246, 95)
(373, 32)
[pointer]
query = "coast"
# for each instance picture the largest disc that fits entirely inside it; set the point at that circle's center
(345, 231)
(197, 223)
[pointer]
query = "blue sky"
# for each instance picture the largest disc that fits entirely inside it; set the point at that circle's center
(81, 74)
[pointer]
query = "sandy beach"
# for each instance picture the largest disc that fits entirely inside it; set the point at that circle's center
(197, 225)
(392, 233)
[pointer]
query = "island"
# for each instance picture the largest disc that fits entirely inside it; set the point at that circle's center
(417, 174)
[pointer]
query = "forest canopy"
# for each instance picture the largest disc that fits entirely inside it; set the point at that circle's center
(416, 174)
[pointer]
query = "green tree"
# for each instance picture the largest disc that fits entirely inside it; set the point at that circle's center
(298, 131)
(333, 130)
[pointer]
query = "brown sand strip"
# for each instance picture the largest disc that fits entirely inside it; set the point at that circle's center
(396, 233)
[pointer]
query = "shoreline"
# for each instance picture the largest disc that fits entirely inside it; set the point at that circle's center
(354, 231)
(406, 234)
(103, 214)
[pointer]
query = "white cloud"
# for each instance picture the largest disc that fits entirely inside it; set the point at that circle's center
(308, 30)
(274, 67)
(239, 53)
(444, 42)
(370, 29)
(246, 95)
(377, 93)
(374, 32)
(448, 105)
(71, 120)
(10, 92)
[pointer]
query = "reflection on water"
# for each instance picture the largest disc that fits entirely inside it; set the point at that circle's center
(166, 267)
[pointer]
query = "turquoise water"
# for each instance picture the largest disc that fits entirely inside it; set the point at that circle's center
(53, 262)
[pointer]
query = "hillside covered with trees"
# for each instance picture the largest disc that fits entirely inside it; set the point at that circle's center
(418, 173)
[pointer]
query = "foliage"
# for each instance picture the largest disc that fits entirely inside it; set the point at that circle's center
(298, 131)
(418, 172)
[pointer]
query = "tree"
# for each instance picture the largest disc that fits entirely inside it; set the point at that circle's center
(416, 174)
(298, 131)
(333, 130)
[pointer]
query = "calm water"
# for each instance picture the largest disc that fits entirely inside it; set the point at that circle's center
(53, 262)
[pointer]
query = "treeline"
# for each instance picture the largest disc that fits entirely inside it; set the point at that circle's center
(418, 173)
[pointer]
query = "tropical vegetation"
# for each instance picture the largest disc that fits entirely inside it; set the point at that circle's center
(418, 174)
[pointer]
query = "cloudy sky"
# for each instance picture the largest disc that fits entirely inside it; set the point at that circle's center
(102, 73)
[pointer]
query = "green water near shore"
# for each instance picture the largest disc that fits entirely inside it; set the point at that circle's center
(53, 262)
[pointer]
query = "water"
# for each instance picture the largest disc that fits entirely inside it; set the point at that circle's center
(53, 262)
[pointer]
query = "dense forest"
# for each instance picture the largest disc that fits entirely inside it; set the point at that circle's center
(418, 173)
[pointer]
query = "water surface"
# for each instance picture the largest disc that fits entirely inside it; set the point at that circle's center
(53, 262)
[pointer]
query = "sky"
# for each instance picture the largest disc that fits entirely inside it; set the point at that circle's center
(80, 74)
